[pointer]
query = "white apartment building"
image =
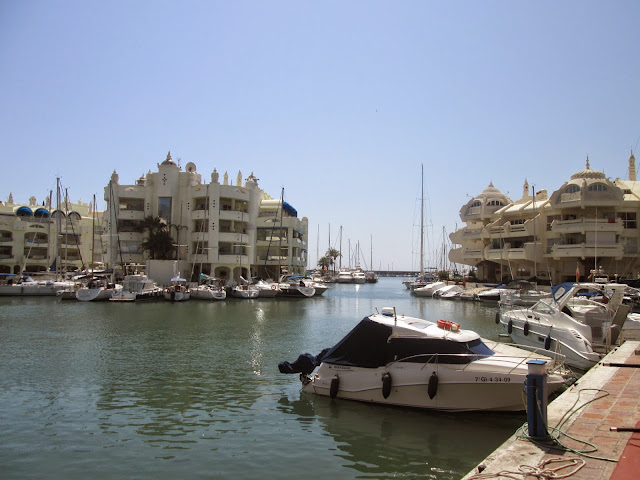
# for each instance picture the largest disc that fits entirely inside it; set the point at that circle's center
(590, 222)
(36, 238)
(218, 229)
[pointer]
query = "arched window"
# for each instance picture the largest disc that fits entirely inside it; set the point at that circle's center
(597, 187)
(477, 203)
(572, 189)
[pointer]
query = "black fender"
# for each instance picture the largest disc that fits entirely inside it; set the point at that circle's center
(386, 384)
(433, 385)
(335, 386)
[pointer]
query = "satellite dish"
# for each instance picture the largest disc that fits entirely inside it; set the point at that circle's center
(191, 167)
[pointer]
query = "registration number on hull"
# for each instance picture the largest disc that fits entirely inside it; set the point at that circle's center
(493, 379)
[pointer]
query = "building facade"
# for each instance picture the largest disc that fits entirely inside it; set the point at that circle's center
(218, 229)
(589, 223)
(38, 238)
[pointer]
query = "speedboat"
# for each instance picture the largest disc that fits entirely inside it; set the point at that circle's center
(294, 286)
(581, 335)
(319, 287)
(177, 291)
(400, 360)
(137, 287)
(97, 289)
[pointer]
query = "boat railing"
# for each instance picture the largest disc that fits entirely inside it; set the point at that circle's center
(466, 359)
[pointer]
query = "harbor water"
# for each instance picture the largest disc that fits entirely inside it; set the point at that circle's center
(192, 390)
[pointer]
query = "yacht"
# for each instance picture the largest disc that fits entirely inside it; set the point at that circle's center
(562, 324)
(344, 276)
(413, 362)
(359, 277)
(137, 287)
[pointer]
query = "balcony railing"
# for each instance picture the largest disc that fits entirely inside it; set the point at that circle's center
(583, 225)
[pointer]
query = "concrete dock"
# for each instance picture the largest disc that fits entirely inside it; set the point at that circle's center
(606, 396)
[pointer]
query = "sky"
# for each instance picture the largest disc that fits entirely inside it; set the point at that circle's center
(339, 103)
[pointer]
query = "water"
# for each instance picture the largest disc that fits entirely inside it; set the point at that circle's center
(192, 390)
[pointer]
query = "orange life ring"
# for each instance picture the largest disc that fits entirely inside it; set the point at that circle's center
(448, 325)
(273, 287)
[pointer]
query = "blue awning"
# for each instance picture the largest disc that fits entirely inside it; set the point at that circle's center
(42, 213)
(289, 209)
(24, 212)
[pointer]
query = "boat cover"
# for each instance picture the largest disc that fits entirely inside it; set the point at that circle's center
(370, 345)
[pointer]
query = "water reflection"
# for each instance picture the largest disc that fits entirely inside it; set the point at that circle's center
(391, 442)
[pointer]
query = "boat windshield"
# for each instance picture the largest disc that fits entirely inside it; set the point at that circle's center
(543, 307)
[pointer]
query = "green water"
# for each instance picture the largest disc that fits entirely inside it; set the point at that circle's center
(192, 390)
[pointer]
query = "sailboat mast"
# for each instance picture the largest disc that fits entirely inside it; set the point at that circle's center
(93, 233)
(422, 222)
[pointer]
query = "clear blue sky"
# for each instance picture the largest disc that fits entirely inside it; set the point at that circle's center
(339, 102)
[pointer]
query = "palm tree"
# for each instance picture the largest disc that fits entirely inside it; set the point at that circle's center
(158, 243)
(333, 254)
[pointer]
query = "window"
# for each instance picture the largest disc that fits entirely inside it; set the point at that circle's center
(164, 208)
(572, 189)
(476, 204)
(597, 187)
(628, 219)
(495, 203)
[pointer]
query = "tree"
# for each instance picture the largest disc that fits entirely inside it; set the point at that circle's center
(325, 262)
(158, 243)
(333, 254)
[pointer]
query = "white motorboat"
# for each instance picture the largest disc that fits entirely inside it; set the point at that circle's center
(449, 292)
(294, 286)
(518, 292)
(577, 334)
(344, 276)
(406, 361)
(97, 289)
(210, 289)
(522, 293)
(429, 289)
(319, 287)
(359, 277)
(177, 291)
(137, 287)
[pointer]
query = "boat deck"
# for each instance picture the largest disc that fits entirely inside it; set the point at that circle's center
(606, 396)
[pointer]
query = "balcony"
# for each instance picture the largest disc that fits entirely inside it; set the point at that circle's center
(130, 215)
(233, 259)
(582, 250)
(234, 238)
(234, 215)
(583, 225)
(199, 214)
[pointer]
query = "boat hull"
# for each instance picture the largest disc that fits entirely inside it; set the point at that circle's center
(459, 387)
